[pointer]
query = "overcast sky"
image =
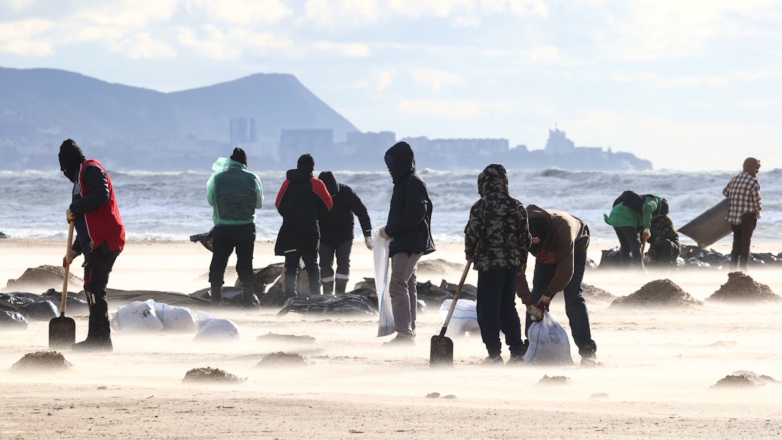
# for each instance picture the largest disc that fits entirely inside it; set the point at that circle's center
(688, 84)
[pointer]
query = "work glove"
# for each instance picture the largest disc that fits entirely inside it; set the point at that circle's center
(69, 215)
(383, 234)
(68, 259)
(368, 241)
(535, 313)
(646, 234)
(544, 302)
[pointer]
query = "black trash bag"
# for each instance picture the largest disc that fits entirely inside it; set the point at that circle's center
(206, 239)
(610, 258)
(73, 304)
(43, 310)
(345, 304)
(432, 295)
(468, 291)
(262, 278)
(10, 320)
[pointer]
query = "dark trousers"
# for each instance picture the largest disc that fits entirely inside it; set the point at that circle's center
(327, 276)
(223, 248)
(97, 267)
(666, 253)
(496, 307)
(629, 244)
(310, 257)
(575, 306)
(742, 239)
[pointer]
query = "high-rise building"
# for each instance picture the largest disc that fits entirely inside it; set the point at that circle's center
(243, 131)
(317, 142)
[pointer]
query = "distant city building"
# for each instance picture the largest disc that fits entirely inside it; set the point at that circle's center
(243, 131)
(369, 143)
(483, 147)
(318, 142)
(558, 143)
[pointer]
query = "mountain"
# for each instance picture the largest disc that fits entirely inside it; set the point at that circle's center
(41, 107)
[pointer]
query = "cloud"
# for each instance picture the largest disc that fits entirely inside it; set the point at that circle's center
(341, 13)
(126, 13)
(230, 44)
(25, 38)
(516, 7)
(143, 46)
(349, 50)
(436, 78)
(243, 12)
(458, 110)
(543, 53)
(383, 82)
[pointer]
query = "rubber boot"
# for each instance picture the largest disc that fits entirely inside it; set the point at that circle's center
(250, 300)
(328, 287)
(217, 294)
(290, 283)
(99, 328)
(341, 285)
(314, 280)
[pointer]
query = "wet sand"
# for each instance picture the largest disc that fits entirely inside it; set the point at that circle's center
(658, 367)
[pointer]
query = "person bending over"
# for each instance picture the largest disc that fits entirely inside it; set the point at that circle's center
(633, 213)
(664, 247)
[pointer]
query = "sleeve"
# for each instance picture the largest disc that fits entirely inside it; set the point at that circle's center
(756, 196)
(415, 209)
(726, 191)
(76, 246)
(525, 239)
(360, 210)
(97, 184)
(319, 188)
(565, 255)
(472, 230)
(281, 194)
(258, 193)
(210, 190)
(650, 205)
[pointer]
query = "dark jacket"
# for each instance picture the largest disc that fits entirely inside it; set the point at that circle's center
(299, 202)
(662, 229)
(410, 214)
(497, 234)
(97, 216)
(336, 226)
(567, 236)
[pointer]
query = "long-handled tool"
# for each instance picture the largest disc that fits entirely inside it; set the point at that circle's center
(441, 349)
(62, 330)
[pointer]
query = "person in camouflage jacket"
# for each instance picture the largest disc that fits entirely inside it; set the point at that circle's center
(664, 247)
(497, 239)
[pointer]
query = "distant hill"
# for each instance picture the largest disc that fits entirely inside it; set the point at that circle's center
(41, 107)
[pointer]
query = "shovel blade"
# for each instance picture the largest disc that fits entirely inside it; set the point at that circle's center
(441, 352)
(62, 332)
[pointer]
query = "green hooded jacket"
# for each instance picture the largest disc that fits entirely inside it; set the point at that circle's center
(234, 193)
(624, 216)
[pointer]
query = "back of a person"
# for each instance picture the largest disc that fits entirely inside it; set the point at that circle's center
(299, 205)
(566, 224)
(236, 195)
(501, 214)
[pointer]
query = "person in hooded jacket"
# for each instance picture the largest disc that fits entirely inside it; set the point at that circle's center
(336, 233)
(496, 239)
(630, 214)
(100, 236)
(743, 193)
(234, 194)
(559, 244)
(301, 201)
(409, 229)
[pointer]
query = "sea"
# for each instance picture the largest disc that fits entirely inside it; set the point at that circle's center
(173, 205)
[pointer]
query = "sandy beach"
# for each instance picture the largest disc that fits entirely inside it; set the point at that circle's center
(654, 381)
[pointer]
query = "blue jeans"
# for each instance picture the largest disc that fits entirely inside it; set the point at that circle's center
(496, 307)
(575, 306)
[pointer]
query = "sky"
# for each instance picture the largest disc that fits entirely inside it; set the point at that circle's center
(687, 84)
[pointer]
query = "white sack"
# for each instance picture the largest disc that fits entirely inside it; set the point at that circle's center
(548, 342)
(176, 319)
(385, 324)
(464, 318)
(137, 317)
(217, 329)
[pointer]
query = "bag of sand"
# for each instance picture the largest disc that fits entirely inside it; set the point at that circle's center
(548, 343)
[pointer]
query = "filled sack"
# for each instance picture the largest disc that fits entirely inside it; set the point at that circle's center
(548, 343)
(464, 318)
(137, 317)
(175, 319)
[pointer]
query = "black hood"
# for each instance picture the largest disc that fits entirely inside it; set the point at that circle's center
(71, 158)
(330, 181)
(400, 161)
(297, 175)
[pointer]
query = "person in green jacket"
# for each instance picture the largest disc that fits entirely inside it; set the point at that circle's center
(632, 213)
(234, 194)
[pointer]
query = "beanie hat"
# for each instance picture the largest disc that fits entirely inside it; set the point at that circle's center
(70, 158)
(240, 156)
(306, 163)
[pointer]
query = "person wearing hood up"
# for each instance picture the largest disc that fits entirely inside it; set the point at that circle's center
(100, 237)
(633, 213)
(336, 233)
(496, 239)
(234, 194)
(743, 193)
(300, 202)
(559, 244)
(409, 229)
(664, 247)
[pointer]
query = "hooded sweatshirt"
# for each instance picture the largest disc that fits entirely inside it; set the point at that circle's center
(567, 236)
(336, 226)
(631, 210)
(300, 202)
(497, 234)
(234, 193)
(410, 213)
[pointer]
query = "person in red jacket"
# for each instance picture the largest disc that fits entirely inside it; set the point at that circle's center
(100, 236)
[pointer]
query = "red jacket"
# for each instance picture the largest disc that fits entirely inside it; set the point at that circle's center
(96, 224)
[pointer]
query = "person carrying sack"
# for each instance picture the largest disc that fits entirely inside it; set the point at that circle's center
(234, 194)
(100, 236)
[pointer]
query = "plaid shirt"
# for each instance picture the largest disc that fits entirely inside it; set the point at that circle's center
(743, 191)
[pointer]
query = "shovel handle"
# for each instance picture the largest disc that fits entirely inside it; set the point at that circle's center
(456, 297)
(67, 270)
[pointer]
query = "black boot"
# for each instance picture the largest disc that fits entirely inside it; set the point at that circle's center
(328, 287)
(216, 293)
(250, 300)
(341, 284)
(99, 330)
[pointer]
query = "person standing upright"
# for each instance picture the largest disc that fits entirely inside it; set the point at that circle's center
(336, 233)
(743, 193)
(497, 238)
(100, 236)
(409, 229)
(301, 201)
(234, 194)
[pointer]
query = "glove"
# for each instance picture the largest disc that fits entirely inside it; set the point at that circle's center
(368, 241)
(535, 313)
(67, 260)
(646, 234)
(544, 302)
(69, 215)
(383, 234)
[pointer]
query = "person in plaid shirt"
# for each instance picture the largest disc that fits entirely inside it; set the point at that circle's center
(743, 192)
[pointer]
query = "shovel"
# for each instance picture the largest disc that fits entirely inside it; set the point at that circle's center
(62, 330)
(441, 349)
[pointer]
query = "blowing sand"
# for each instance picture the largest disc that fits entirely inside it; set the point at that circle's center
(658, 367)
